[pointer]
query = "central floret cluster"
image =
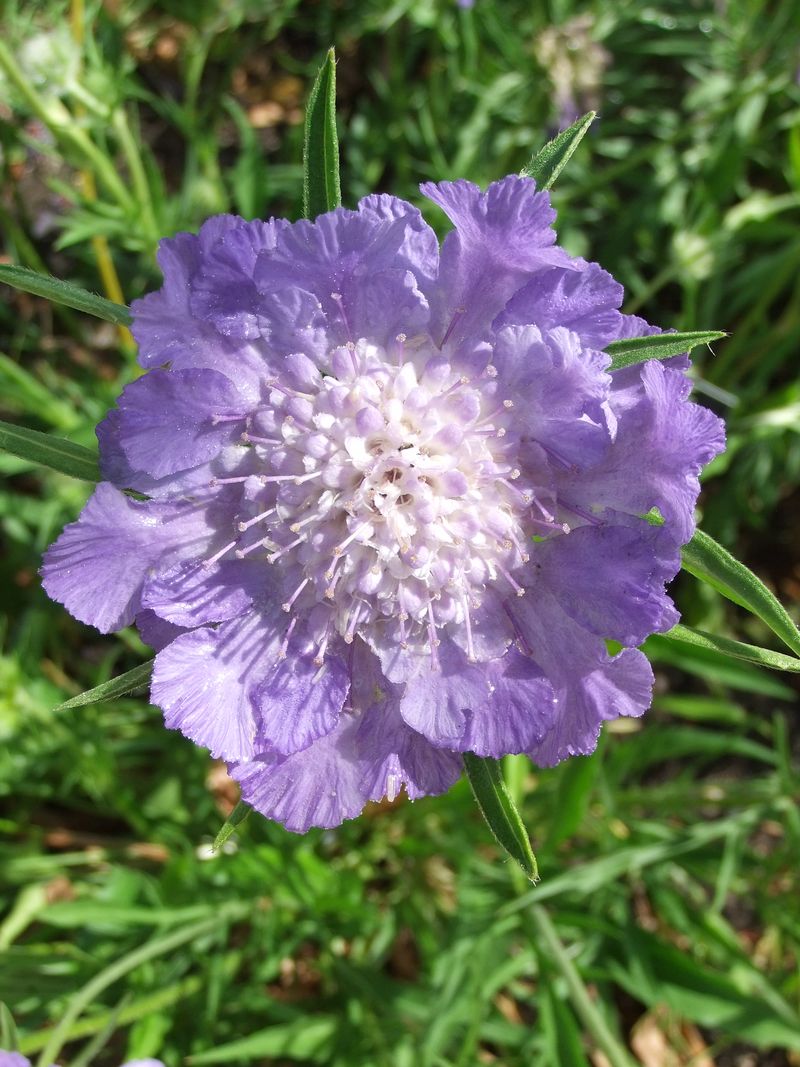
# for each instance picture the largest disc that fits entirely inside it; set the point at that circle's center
(395, 500)
(390, 487)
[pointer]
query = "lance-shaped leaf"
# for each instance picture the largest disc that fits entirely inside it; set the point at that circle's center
(47, 451)
(657, 346)
(321, 187)
(236, 818)
(764, 657)
(129, 682)
(30, 281)
(486, 778)
(549, 161)
(713, 564)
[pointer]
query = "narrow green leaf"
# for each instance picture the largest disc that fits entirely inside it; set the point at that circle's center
(308, 1039)
(321, 187)
(236, 818)
(8, 1030)
(125, 683)
(712, 563)
(47, 451)
(657, 346)
(549, 161)
(486, 778)
(150, 950)
(30, 281)
(764, 657)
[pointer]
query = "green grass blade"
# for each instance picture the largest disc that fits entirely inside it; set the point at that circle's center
(658, 346)
(47, 451)
(30, 281)
(764, 657)
(549, 161)
(236, 818)
(713, 564)
(486, 778)
(125, 683)
(8, 1031)
(321, 187)
(150, 950)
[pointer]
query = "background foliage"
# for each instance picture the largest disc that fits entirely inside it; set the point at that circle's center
(666, 929)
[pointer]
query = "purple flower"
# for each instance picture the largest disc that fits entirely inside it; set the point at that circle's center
(16, 1059)
(395, 501)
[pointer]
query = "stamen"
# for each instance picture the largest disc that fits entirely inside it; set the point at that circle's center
(218, 555)
(286, 639)
(353, 622)
(285, 549)
(338, 299)
(432, 638)
(468, 626)
(228, 481)
(520, 636)
(288, 605)
(456, 316)
(594, 520)
(319, 658)
(242, 526)
(248, 438)
(217, 419)
(512, 582)
(359, 529)
(265, 541)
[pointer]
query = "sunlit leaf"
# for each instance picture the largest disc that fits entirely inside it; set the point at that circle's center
(497, 807)
(125, 683)
(549, 161)
(657, 346)
(30, 281)
(57, 453)
(321, 187)
(712, 563)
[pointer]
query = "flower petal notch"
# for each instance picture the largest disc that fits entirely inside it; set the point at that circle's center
(396, 499)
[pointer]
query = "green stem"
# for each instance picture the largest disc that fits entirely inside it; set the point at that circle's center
(141, 186)
(584, 1007)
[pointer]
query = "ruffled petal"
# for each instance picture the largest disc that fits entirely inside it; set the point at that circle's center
(348, 260)
(300, 701)
(590, 686)
(155, 631)
(559, 390)
(584, 298)
(319, 786)
(662, 443)
(116, 468)
(194, 594)
(173, 420)
(98, 565)
(393, 755)
(223, 290)
(205, 683)
(501, 238)
(492, 709)
(610, 579)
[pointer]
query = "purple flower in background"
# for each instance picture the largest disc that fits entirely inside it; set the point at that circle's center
(16, 1059)
(396, 498)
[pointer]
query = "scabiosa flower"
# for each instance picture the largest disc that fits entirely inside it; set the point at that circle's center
(395, 498)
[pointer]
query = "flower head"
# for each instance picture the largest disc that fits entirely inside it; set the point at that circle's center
(396, 499)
